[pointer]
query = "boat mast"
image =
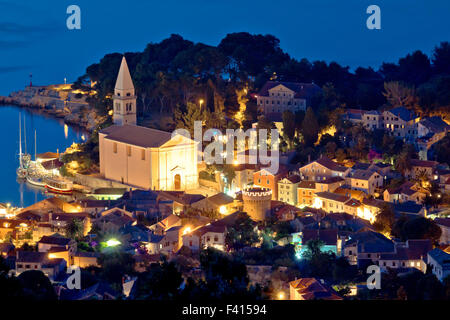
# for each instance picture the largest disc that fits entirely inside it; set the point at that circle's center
(20, 140)
(25, 133)
(35, 145)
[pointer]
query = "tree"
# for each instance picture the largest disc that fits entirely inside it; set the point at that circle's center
(318, 262)
(115, 265)
(36, 286)
(442, 149)
(74, 229)
(310, 127)
(399, 94)
(403, 162)
(441, 58)
(417, 228)
(185, 118)
(161, 282)
(225, 278)
(289, 127)
(241, 233)
(229, 173)
(415, 68)
(384, 220)
(340, 155)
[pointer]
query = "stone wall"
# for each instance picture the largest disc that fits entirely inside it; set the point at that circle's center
(96, 182)
(210, 184)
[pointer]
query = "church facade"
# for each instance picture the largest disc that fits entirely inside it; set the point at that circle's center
(143, 157)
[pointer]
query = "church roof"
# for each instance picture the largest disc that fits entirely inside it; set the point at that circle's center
(124, 81)
(137, 135)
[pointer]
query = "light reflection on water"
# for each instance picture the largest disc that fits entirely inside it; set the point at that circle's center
(51, 134)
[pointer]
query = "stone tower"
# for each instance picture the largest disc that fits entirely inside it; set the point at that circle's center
(124, 97)
(257, 202)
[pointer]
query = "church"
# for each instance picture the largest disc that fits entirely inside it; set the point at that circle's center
(142, 157)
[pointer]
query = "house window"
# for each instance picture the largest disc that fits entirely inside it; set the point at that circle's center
(115, 147)
(216, 239)
(143, 154)
(129, 151)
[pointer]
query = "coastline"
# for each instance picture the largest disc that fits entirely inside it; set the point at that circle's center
(45, 100)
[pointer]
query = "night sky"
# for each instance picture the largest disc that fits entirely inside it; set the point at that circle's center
(34, 37)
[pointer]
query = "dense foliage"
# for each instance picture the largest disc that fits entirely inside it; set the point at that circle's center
(170, 74)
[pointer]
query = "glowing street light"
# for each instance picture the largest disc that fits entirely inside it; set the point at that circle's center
(187, 230)
(281, 295)
(112, 243)
(223, 209)
(201, 102)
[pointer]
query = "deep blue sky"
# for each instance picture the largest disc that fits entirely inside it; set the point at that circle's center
(34, 37)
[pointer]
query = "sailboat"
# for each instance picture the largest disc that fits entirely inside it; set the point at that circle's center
(33, 176)
(21, 171)
(26, 157)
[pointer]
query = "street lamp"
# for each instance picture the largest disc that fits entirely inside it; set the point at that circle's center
(201, 102)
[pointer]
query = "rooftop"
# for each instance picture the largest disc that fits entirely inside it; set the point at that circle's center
(403, 113)
(332, 196)
(312, 289)
(441, 257)
(362, 174)
(423, 163)
(334, 166)
(137, 135)
(302, 90)
(55, 239)
(435, 124)
(328, 236)
(305, 184)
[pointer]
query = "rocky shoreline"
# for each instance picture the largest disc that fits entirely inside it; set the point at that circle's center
(58, 101)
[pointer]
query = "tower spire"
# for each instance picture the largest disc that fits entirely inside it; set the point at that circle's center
(124, 81)
(124, 97)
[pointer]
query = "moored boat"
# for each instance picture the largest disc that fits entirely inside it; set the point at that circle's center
(57, 185)
(36, 181)
(21, 173)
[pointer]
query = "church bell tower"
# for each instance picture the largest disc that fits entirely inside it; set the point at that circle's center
(124, 97)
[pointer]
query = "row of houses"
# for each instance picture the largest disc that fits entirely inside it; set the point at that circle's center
(403, 124)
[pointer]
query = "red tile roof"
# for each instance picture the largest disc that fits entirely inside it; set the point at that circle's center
(423, 163)
(311, 289)
(326, 162)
